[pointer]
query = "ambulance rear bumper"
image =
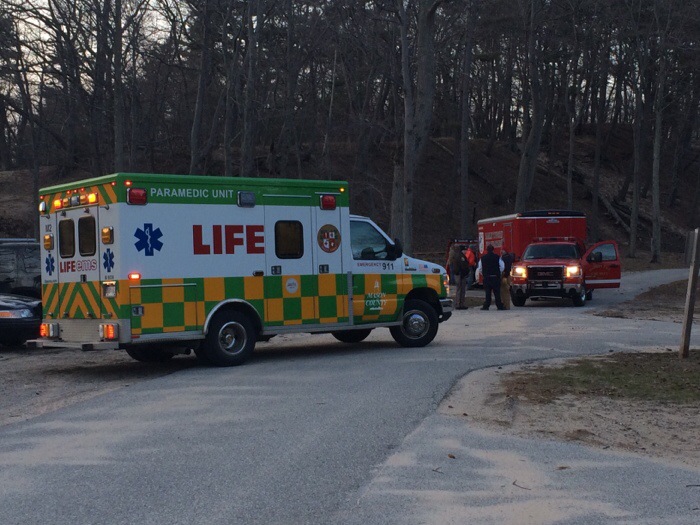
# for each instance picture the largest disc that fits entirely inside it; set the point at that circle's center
(86, 347)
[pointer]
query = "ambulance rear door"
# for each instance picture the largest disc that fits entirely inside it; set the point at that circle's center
(77, 264)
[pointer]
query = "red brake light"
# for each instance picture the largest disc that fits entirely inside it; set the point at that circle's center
(137, 196)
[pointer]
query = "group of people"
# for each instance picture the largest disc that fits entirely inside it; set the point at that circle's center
(464, 262)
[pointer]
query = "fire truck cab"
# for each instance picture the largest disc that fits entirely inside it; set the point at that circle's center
(551, 258)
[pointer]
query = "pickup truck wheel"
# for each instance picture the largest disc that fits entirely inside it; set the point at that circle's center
(150, 355)
(351, 336)
(230, 340)
(518, 301)
(419, 324)
(580, 298)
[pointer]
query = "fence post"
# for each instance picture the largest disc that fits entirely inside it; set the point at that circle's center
(690, 297)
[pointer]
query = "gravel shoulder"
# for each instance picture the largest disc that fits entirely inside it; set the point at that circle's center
(655, 429)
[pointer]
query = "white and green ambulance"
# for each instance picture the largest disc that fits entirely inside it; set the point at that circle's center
(160, 264)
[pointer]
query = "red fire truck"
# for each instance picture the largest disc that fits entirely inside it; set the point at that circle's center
(551, 256)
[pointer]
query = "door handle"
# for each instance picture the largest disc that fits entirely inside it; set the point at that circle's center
(258, 273)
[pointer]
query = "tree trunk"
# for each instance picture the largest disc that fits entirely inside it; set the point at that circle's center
(655, 186)
(636, 173)
(119, 109)
(465, 84)
(203, 81)
(528, 161)
(599, 120)
(251, 65)
(418, 103)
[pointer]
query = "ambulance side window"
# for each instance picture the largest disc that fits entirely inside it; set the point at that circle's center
(289, 240)
(367, 243)
(66, 238)
(87, 236)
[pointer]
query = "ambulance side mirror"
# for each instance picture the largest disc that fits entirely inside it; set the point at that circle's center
(394, 251)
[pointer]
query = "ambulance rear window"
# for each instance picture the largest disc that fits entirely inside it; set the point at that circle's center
(87, 235)
(66, 238)
(289, 240)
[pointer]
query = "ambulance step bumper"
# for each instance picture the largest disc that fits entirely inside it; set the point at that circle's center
(86, 347)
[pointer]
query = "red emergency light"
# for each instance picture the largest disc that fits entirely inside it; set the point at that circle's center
(136, 196)
(328, 202)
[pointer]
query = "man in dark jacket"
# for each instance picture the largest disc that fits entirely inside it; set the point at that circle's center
(491, 267)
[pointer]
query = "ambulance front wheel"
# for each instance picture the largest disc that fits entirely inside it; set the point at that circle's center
(230, 340)
(418, 326)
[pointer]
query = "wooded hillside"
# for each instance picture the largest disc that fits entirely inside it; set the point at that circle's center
(439, 112)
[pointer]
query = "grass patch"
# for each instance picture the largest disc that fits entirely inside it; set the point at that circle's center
(658, 376)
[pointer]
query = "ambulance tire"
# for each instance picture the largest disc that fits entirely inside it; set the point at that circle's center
(351, 336)
(150, 355)
(230, 340)
(419, 324)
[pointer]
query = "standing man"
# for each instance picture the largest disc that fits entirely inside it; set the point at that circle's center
(507, 259)
(491, 267)
(458, 272)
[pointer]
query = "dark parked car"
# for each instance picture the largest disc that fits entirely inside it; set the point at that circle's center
(20, 267)
(20, 318)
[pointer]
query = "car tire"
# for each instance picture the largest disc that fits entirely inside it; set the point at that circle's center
(351, 336)
(580, 298)
(419, 324)
(230, 340)
(518, 301)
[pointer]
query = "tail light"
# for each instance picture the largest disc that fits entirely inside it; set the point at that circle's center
(49, 330)
(109, 331)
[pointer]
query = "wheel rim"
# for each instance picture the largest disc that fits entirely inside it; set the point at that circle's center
(232, 337)
(415, 324)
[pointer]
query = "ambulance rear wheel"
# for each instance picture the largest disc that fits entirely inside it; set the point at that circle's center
(150, 355)
(418, 326)
(351, 336)
(230, 340)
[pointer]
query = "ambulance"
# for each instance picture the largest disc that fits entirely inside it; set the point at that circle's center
(161, 264)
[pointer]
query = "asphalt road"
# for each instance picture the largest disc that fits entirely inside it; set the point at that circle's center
(315, 431)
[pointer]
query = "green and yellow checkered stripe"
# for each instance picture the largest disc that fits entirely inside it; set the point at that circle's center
(178, 305)
(175, 305)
